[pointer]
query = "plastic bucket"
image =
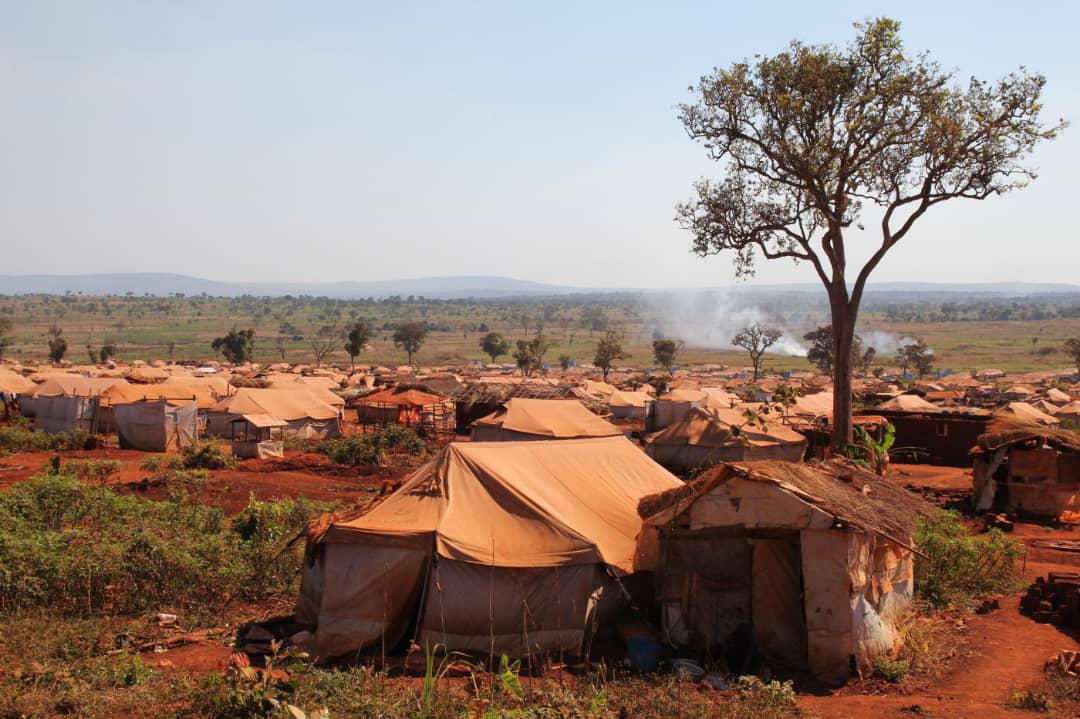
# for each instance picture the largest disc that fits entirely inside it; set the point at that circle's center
(643, 652)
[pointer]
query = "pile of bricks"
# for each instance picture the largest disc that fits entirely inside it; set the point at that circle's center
(1054, 600)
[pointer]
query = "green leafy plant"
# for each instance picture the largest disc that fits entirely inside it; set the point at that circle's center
(206, 454)
(877, 452)
(96, 471)
(891, 670)
(957, 567)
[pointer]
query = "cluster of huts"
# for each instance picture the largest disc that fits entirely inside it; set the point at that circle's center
(690, 513)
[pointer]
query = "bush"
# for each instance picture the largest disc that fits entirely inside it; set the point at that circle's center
(959, 566)
(891, 670)
(206, 454)
(162, 463)
(22, 437)
(372, 448)
(80, 549)
(97, 471)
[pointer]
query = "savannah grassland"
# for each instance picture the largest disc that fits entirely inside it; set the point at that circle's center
(181, 328)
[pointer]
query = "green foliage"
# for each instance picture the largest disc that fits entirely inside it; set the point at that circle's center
(916, 356)
(57, 344)
(1032, 701)
(666, 352)
(81, 549)
(206, 454)
(410, 337)
(161, 463)
(494, 345)
(877, 452)
(238, 346)
(755, 338)
(609, 350)
(358, 338)
(530, 354)
(96, 471)
(364, 449)
(891, 670)
(21, 437)
(1072, 349)
(129, 670)
(960, 567)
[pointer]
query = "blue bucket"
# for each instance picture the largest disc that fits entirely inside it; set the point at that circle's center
(644, 653)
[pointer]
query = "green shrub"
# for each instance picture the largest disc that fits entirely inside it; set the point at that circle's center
(97, 471)
(22, 437)
(82, 549)
(162, 463)
(1031, 701)
(959, 566)
(364, 449)
(206, 454)
(891, 670)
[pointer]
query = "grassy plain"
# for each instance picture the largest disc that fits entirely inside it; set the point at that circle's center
(182, 328)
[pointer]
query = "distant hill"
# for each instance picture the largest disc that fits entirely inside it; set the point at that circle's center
(457, 287)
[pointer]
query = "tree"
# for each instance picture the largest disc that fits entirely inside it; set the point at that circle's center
(867, 359)
(494, 345)
(1072, 348)
(107, 351)
(815, 133)
(410, 337)
(5, 335)
(324, 342)
(237, 346)
(280, 345)
(608, 350)
(917, 356)
(530, 354)
(666, 351)
(57, 344)
(821, 355)
(358, 338)
(755, 338)
(171, 347)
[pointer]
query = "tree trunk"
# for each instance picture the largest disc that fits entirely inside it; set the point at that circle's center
(843, 325)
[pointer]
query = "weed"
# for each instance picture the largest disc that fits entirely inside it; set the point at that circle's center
(891, 670)
(95, 471)
(206, 454)
(959, 567)
(1031, 700)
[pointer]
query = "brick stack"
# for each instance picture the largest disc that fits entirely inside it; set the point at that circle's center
(1054, 600)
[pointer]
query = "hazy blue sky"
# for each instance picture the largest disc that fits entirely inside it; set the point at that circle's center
(335, 141)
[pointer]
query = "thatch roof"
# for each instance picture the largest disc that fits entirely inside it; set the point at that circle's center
(501, 392)
(1022, 433)
(853, 495)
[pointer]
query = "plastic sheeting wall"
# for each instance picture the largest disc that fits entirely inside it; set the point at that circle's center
(63, 414)
(155, 426)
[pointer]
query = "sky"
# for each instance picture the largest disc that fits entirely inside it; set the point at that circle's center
(332, 141)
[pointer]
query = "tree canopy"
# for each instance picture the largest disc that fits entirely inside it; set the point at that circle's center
(812, 136)
(359, 336)
(608, 350)
(237, 347)
(755, 338)
(410, 337)
(494, 345)
(666, 352)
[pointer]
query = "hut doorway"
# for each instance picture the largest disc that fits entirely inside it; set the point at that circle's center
(779, 617)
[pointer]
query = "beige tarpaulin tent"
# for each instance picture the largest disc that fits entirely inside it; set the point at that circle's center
(63, 413)
(1024, 412)
(155, 426)
(530, 419)
(1070, 412)
(307, 415)
(15, 383)
(908, 403)
(173, 393)
(625, 404)
(499, 545)
(218, 385)
(814, 564)
(708, 436)
(676, 404)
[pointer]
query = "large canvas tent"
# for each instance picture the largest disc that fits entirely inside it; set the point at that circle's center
(156, 426)
(625, 404)
(709, 436)
(502, 547)
(306, 414)
(523, 419)
(810, 566)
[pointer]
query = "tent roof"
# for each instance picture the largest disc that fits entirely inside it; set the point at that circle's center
(1056, 395)
(261, 421)
(174, 393)
(520, 504)
(76, 385)
(557, 418)
(1072, 408)
(849, 493)
(626, 398)
(402, 397)
(1026, 413)
(909, 403)
(703, 427)
(286, 404)
(683, 395)
(15, 383)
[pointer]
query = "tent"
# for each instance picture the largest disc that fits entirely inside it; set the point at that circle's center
(159, 426)
(405, 406)
(1024, 412)
(708, 436)
(307, 416)
(676, 404)
(1069, 412)
(625, 404)
(811, 566)
(908, 403)
(173, 392)
(531, 419)
(502, 546)
(15, 383)
(66, 415)
(1056, 396)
